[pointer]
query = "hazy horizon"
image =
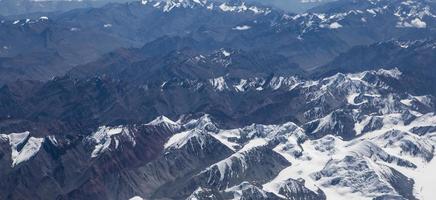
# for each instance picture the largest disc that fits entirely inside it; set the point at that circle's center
(20, 7)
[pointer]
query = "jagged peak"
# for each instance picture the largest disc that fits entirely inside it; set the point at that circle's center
(392, 73)
(168, 5)
(107, 138)
(239, 6)
(162, 120)
(179, 140)
(23, 146)
(203, 123)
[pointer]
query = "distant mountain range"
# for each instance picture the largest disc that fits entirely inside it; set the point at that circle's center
(29, 7)
(23, 7)
(309, 40)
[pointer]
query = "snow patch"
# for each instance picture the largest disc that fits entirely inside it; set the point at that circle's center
(242, 28)
(31, 147)
(181, 139)
(335, 25)
(136, 198)
(218, 83)
(418, 23)
(104, 136)
(225, 53)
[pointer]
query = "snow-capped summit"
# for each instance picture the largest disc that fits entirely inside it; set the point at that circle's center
(163, 120)
(238, 6)
(23, 146)
(168, 5)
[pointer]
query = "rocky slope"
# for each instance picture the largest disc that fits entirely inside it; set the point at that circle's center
(356, 137)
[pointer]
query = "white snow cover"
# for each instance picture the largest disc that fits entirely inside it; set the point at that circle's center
(243, 8)
(351, 97)
(242, 28)
(255, 136)
(418, 23)
(31, 146)
(104, 136)
(335, 25)
(169, 5)
(313, 160)
(226, 137)
(165, 122)
(136, 198)
(257, 142)
(219, 83)
(180, 139)
(230, 8)
(425, 180)
(225, 53)
(237, 190)
(371, 148)
(409, 14)
(197, 131)
(356, 81)
(240, 86)
(317, 153)
(392, 73)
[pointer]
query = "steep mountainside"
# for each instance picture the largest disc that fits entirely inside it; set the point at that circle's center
(357, 137)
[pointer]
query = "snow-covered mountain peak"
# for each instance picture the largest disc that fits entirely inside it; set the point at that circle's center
(168, 5)
(108, 138)
(389, 153)
(165, 122)
(162, 120)
(234, 6)
(338, 15)
(203, 123)
(23, 146)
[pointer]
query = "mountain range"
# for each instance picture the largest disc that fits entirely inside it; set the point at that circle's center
(29, 7)
(200, 99)
(357, 136)
(309, 39)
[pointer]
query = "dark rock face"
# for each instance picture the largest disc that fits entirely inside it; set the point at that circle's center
(295, 189)
(64, 169)
(423, 130)
(374, 124)
(402, 184)
(337, 123)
